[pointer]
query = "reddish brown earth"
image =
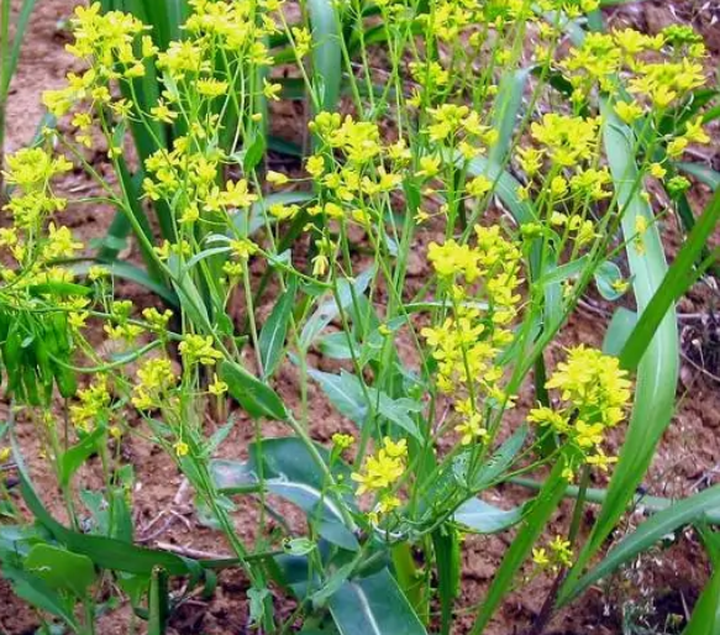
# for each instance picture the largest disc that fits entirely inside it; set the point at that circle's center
(661, 585)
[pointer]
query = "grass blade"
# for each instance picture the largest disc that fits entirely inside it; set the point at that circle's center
(11, 62)
(705, 618)
(658, 370)
(678, 280)
(530, 530)
(690, 510)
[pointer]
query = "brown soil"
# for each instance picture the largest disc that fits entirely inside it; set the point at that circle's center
(661, 584)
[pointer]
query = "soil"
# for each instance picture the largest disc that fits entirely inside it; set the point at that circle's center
(660, 587)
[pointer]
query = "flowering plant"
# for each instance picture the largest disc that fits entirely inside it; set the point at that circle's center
(455, 383)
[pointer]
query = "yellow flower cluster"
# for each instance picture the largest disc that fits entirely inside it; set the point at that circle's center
(93, 405)
(467, 343)
(594, 392)
(196, 349)
(31, 170)
(380, 473)
(557, 555)
(383, 470)
(108, 42)
(35, 247)
(155, 380)
(659, 70)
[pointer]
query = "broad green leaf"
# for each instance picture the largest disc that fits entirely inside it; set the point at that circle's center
(702, 173)
(256, 397)
(106, 553)
(374, 606)
(658, 370)
(61, 569)
(39, 594)
(74, 457)
(607, 277)
(480, 517)
(345, 392)
(618, 331)
(253, 153)
(329, 310)
(505, 111)
(290, 471)
(692, 509)
(274, 331)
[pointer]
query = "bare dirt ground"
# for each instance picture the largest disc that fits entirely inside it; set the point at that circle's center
(664, 584)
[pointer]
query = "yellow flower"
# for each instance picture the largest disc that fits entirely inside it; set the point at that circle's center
(5, 454)
(181, 448)
(540, 557)
(218, 387)
(271, 91)
(198, 349)
(600, 460)
(276, 178)
(629, 112)
(315, 166)
(471, 429)
(384, 469)
(161, 112)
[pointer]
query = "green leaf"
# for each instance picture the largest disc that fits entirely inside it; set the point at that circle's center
(290, 471)
(705, 618)
(106, 553)
(680, 277)
(692, 509)
(10, 64)
(329, 310)
(132, 273)
(505, 111)
(345, 392)
(75, 456)
(326, 52)
(446, 545)
(702, 173)
(480, 517)
(621, 326)
(658, 370)
(274, 331)
(158, 604)
(38, 593)
(374, 606)
(253, 153)
(533, 526)
(256, 397)
(607, 274)
(61, 569)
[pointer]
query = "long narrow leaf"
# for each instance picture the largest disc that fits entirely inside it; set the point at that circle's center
(705, 618)
(531, 529)
(326, 53)
(658, 370)
(678, 280)
(690, 510)
(10, 65)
